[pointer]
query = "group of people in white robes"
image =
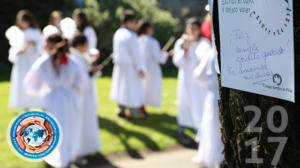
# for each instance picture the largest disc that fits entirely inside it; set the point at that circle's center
(137, 80)
(48, 74)
(137, 76)
(196, 59)
(61, 79)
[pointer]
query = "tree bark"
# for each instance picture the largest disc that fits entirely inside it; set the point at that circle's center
(234, 120)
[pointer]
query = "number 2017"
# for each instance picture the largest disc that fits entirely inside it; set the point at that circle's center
(270, 123)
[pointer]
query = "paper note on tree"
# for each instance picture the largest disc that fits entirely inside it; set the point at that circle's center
(257, 46)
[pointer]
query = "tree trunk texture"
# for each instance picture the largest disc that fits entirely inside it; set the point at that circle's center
(234, 120)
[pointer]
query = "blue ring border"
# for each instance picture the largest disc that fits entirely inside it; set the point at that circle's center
(55, 128)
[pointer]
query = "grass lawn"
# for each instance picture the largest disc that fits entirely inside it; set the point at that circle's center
(117, 135)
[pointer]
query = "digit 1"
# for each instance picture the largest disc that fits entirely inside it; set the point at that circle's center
(254, 148)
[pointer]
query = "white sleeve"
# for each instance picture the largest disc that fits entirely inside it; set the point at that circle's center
(13, 55)
(204, 47)
(16, 40)
(179, 59)
(91, 35)
(156, 52)
(80, 80)
(34, 79)
(205, 73)
(135, 54)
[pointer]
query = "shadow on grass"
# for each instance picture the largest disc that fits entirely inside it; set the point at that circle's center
(124, 134)
(165, 124)
(97, 160)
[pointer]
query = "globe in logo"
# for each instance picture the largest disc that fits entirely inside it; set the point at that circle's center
(34, 134)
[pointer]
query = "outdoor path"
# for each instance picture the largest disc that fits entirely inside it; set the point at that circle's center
(177, 157)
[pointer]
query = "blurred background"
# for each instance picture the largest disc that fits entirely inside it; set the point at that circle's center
(167, 16)
(118, 136)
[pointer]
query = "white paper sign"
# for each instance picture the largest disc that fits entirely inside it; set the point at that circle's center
(257, 46)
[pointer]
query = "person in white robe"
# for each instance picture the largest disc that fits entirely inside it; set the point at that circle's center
(89, 135)
(190, 94)
(53, 26)
(58, 81)
(83, 27)
(128, 69)
(153, 57)
(210, 147)
(25, 41)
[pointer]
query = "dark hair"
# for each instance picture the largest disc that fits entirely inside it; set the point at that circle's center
(53, 15)
(27, 16)
(142, 27)
(128, 15)
(60, 47)
(79, 39)
(54, 38)
(193, 21)
(83, 19)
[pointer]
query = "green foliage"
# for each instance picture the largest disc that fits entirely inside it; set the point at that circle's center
(104, 16)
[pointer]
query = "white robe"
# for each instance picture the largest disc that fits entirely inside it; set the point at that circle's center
(91, 36)
(89, 134)
(210, 147)
(60, 94)
(153, 57)
(190, 94)
(22, 63)
(127, 87)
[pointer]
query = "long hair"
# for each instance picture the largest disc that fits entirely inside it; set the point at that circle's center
(59, 48)
(53, 16)
(27, 16)
(79, 14)
(142, 27)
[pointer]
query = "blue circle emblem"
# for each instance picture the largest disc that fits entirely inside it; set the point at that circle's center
(34, 134)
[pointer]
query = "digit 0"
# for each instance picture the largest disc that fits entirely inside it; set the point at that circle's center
(284, 119)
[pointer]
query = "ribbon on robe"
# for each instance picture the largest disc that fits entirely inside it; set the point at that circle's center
(64, 59)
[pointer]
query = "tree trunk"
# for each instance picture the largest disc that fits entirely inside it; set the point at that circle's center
(234, 119)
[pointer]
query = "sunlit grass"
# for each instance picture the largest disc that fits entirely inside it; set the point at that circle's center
(117, 135)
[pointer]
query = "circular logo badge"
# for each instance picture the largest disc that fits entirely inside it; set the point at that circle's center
(34, 134)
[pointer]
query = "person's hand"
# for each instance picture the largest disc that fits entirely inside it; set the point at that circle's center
(95, 55)
(142, 74)
(96, 69)
(186, 44)
(31, 42)
(171, 53)
(95, 58)
(24, 48)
